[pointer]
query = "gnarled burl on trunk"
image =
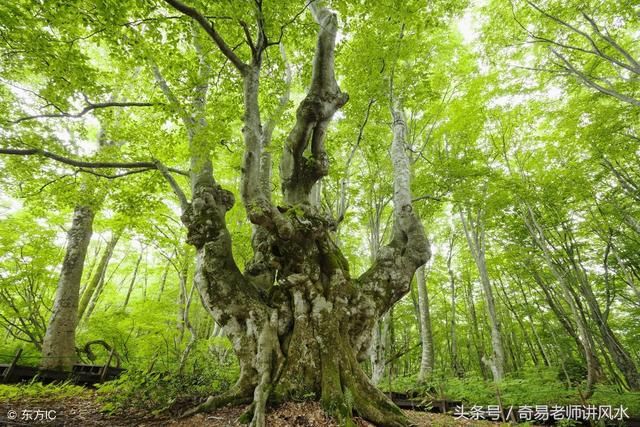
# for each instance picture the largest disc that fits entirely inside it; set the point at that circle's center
(299, 323)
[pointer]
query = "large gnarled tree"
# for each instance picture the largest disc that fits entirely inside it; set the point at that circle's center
(298, 321)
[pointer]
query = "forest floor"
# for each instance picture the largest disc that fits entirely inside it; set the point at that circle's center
(85, 410)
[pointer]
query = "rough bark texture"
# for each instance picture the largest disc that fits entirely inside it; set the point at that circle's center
(299, 323)
(58, 347)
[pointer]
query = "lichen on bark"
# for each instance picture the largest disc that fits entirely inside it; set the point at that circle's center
(299, 323)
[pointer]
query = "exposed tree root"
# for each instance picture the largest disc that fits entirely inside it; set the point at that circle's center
(237, 395)
(346, 389)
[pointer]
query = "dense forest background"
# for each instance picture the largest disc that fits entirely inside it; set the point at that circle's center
(523, 142)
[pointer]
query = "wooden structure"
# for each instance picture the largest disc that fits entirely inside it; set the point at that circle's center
(81, 374)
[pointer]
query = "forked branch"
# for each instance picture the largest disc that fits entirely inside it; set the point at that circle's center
(211, 31)
(324, 98)
(389, 278)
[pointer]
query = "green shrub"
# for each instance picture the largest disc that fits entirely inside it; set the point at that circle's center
(37, 390)
(157, 391)
(530, 386)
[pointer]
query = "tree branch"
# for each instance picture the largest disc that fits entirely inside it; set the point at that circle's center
(270, 125)
(211, 31)
(120, 175)
(247, 34)
(389, 278)
(324, 98)
(589, 81)
(169, 95)
(184, 204)
(84, 164)
(86, 109)
(291, 21)
(426, 197)
(284, 99)
(344, 184)
(634, 67)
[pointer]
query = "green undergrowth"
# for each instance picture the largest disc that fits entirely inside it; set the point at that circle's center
(36, 390)
(28, 357)
(157, 391)
(529, 387)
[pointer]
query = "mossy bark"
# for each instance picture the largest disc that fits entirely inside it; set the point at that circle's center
(295, 339)
(299, 324)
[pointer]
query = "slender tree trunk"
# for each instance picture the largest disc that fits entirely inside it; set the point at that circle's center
(98, 292)
(620, 356)
(182, 303)
(186, 322)
(413, 293)
(146, 279)
(517, 316)
(426, 358)
(133, 280)
(163, 281)
(99, 276)
(474, 233)
(455, 362)
(534, 330)
(379, 344)
(58, 347)
(476, 338)
(628, 275)
(380, 338)
(94, 261)
(584, 334)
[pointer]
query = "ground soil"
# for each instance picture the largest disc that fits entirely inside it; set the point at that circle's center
(84, 410)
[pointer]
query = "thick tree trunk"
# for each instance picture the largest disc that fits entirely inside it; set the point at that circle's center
(58, 347)
(303, 340)
(298, 323)
(426, 358)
